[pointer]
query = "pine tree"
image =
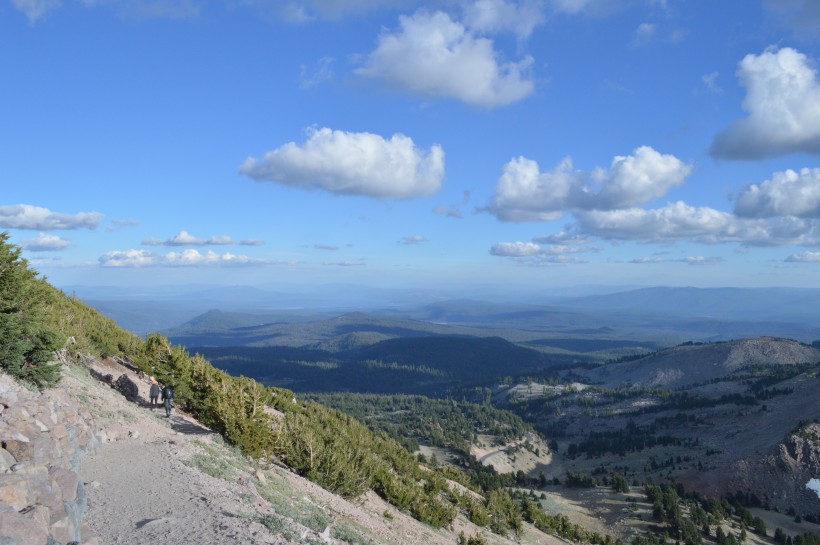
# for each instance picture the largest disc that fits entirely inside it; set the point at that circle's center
(26, 343)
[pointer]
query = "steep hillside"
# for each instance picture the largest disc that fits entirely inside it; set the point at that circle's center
(721, 419)
(697, 363)
(183, 484)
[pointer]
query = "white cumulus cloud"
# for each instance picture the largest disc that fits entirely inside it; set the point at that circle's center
(184, 258)
(433, 55)
(636, 179)
(352, 164)
(127, 258)
(26, 216)
(783, 101)
(674, 221)
(44, 242)
(787, 193)
(680, 221)
(524, 193)
(515, 249)
(191, 257)
(534, 254)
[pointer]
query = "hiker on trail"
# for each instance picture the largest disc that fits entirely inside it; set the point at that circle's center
(167, 396)
(154, 392)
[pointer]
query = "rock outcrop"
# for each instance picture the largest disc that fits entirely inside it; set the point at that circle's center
(780, 478)
(128, 388)
(43, 435)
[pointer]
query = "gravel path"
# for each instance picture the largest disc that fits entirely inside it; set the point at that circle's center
(150, 495)
(139, 488)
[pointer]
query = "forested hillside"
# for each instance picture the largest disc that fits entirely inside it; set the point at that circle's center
(438, 422)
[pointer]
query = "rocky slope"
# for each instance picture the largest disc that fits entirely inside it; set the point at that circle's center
(779, 478)
(173, 480)
(43, 437)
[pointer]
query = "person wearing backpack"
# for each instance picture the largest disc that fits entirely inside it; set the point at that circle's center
(154, 392)
(167, 396)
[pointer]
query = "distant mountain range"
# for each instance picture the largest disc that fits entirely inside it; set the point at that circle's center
(665, 315)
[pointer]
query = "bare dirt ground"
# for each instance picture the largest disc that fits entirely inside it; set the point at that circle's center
(171, 480)
(513, 457)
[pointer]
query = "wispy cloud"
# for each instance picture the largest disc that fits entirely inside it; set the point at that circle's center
(804, 257)
(26, 216)
(35, 9)
(346, 263)
(562, 238)
(644, 34)
(251, 242)
(690, 260)
(150, 9)
(448, 211)
(349, 163)
(304, 11)
(491, 16)
(413, 239)
(315, 75)
(136, 9)
(453, 210)
(710, 82)
(183, 238)
(116, 225)
(328, 247)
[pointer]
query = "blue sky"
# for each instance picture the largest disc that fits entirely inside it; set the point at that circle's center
(501, 143)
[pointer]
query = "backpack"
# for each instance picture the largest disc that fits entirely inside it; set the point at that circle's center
(167, 393)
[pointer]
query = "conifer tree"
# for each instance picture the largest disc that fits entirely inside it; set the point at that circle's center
(26, 343)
